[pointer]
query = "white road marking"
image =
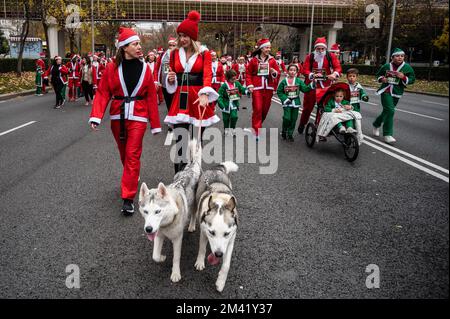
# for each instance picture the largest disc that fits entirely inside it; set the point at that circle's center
(435, 103)
(16, 128)
(401, 158)
(409, 112)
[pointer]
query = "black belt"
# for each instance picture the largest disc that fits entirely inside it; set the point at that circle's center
(126, 99)
(190, 79)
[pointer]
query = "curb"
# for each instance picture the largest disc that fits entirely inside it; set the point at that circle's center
(9, 96)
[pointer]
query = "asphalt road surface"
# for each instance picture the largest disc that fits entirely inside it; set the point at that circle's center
(309, 230)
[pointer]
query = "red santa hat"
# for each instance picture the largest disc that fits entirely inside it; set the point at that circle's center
(57, 57)
(150, 52)
(160, 50)
(262, 43)
(321, 42)
(42, 54)
(278, 53)
(335, 48)
(172, 40)
(213, 52)
(126, 36)
(190, 25)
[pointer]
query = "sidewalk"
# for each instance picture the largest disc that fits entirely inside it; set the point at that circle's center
(9, 96)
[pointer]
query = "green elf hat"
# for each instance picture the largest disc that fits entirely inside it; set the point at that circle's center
(397, 51)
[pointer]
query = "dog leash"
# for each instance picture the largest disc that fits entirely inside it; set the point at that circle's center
(202, 114)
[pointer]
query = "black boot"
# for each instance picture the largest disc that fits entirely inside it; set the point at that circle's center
(283, 135)
(127, 207)
(300, 129)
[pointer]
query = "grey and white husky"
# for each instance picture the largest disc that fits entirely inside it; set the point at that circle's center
(166, 209)
(218, 219)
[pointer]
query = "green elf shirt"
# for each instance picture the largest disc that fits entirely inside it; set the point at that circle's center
(357, 94)
(331, 104)
(395, 86)
(229, 96)
(289, 91)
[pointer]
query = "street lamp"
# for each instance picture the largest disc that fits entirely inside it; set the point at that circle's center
(388, 52)
(311, 28)
(92, 26)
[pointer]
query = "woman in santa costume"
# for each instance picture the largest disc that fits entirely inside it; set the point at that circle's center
(162, 69)
(74, 76)
(190, 80)
(280, 62)
(218, 76)
(99, 67)
(262, 78)
(325, 68)
(128, 82)
(239, 68)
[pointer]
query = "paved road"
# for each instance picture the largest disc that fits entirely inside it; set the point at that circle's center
(307, 231)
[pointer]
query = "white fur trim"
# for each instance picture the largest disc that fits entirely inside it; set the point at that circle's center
(187, 65)
(126, 41)
(185, 118)
(320, 45)
(95, 120)
(336, 73)
(407, 80)
(212, 94)
(398, 53)
(274, 76)
(171, 88)
(267, 44)
(156, 130)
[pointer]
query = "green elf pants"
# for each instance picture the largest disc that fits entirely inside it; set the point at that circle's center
(347, 124)
(386, 118)
(290, 115)
(38, 90)
(63, 92)
(230, 119)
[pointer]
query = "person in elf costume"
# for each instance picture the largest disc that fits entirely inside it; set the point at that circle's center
(357, 92)
(394, 77)
(262, 76)
(189, 79)
(58, 78)
(40, 70)
(229, 95)
(289, 93)
(74, 76)
(280, 62)
(325, 68)
(338, 104)
(127, 86)
(218, 76)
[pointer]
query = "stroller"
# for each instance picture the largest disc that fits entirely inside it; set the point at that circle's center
(348, 141)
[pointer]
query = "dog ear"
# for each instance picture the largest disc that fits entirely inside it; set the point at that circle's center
(162, 190)
(143, 191)
(231, 205)
(211, 204)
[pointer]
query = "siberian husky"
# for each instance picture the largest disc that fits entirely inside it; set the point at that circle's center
(218, 219)
(166, 209)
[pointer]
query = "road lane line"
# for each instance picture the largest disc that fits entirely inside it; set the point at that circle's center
(405, 160)
(418, 114)
(442, 169)
(16, 128)
(431, 102)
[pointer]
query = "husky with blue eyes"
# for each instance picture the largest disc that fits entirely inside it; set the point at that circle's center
(167, 209)
(218, 219)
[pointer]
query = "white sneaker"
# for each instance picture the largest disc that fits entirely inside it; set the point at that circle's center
(233, 132)
(389, 139)
(376, 131)
(351, 130)
(342, 130)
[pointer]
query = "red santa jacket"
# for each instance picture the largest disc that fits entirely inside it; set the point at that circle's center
(113, 84)
(281, 65)
(218, 75)
(335, 68)
(63, 71)
(240, 71)
(260, 82)
(100, 67)
(74, 70)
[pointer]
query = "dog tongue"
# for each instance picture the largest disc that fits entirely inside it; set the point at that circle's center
(213, 260)
(151, 237)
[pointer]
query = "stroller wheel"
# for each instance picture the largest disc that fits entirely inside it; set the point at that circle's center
(351, 147)
(310, 134)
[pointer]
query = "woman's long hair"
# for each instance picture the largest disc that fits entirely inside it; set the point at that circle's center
(195, 45)
(120, 56)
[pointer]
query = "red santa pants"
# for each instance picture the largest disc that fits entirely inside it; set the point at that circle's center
(309, 101)
(73, 84)
(261, 101)
(130, 154)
